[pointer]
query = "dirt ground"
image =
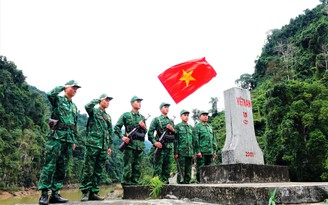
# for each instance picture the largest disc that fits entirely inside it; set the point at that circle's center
(5, 194)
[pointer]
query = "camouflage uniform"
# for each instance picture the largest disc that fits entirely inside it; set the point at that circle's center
(184, 147)
(205, 143)
(59, 144)
(133, 152)
(162, 162)
(99, 132)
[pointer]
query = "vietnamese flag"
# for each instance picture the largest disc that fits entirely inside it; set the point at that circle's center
(185, 78)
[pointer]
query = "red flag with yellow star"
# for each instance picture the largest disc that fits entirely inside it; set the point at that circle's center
(185, 78)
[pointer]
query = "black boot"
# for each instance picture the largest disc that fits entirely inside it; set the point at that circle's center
(95, 197)
(44, 199)
(85, 195)
(56, 198)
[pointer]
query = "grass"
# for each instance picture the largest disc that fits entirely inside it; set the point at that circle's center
(156, 187)
(146, 180)
(272, 199)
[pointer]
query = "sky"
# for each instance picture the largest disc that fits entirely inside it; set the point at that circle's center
(120, 47)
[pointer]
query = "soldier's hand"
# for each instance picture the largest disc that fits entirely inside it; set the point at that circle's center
(199, 155)
(158, 144)
(142, 124)
(126, 140)
(170, 127)
(74, 146)
(109, 151)
(214, 155)
(176, 156)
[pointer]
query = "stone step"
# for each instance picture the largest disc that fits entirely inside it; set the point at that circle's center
(243, 173)
(241, 193)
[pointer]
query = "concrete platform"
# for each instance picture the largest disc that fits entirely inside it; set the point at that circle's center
(241, 193)
(243, 173)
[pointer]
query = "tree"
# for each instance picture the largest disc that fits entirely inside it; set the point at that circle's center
(288, 53)
(214, 106)
(245, 81)
(195, 115)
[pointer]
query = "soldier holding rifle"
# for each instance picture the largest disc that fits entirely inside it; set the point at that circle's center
(132, 153)
(60, 142)
(163, 155)
(184, 148)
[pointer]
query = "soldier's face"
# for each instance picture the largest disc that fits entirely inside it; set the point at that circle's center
(165, 110)
(204, 117)
(70, 91)
(104, 103)
(136, 104)
(185, 117)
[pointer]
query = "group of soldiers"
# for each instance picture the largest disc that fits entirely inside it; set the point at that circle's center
(181, 140)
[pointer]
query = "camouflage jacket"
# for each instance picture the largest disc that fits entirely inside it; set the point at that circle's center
(158, 124)
(99, 127)
(65, 111)
(184, 141)
(205, 141)
(130, 120)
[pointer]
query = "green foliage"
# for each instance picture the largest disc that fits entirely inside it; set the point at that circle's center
(272, 199)
(214, 106)
(294, 131)
(219, 129)
(114, 167)
(156, 187)
(246, 81)
(24, 111)
(22, 127)
(145, 180)
(195, 115)
(291, 96)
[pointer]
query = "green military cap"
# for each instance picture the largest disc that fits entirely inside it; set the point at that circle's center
(134, 98)
(164, 104)
(183, 112)
(105, 96)
(72, 83)
(203, 112)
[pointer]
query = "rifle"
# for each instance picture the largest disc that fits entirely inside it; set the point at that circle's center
(53, 125)
(179, 170)
(162, 140)
(130, 136)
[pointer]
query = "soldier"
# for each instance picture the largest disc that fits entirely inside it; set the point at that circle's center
(60, 142)
(162, 161)
(205, 143)
(133, 152)
(98, 147)
(184, 148)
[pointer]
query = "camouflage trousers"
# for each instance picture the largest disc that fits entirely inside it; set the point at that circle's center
(131, 170)
(94, 164)
(185, 166)
(205, 160)
(162, 165)
(55, 166)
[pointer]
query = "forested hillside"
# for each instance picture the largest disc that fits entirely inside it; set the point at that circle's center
(24, 111)
(22, 124)
(290, 96)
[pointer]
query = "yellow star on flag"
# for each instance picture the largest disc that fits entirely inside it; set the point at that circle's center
(187, 77)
